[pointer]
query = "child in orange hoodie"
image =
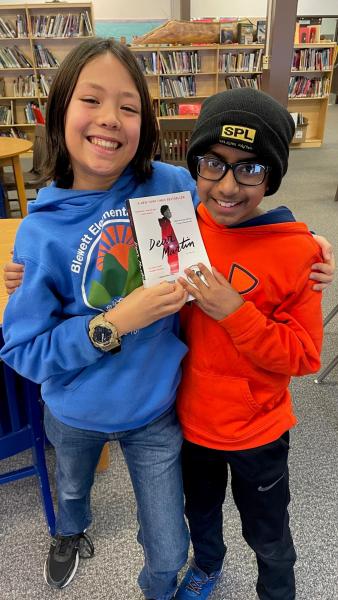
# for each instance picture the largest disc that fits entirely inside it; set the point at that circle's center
(255, 323)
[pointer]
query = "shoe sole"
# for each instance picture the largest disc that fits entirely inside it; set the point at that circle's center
(60, 587)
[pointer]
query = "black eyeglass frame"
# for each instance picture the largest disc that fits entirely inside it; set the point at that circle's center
(232, 166)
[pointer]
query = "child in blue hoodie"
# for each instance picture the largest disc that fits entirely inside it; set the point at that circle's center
(105, 350)
(81, 269)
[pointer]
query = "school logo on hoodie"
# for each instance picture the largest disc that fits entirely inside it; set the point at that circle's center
(107, 261)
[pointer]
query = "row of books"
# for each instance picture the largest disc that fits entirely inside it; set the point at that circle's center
(44, 84)
(44, 58)
(148, 63)
(6, 115)
(233, 82)
(309, 87)
(312, 59)
(172, 109)
(240, 61)
(308, 31)
(181, 87)
(299, 119)
(62, 25)
(13, 132)
(242, 32)
(25, 87)
(31, 111)
(180, 62)
(8, 29)
(13, 58)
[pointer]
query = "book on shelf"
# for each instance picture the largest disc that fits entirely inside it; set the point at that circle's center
(307, 30)
(13, 132)
(227, 32)
(14, 58)
(234, 82)
(261, 32)
(190, 109)
(7, 29)
(245, 33)
(44, 58)
(6, 115)
(166, 236)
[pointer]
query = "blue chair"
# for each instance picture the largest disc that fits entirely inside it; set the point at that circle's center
(21, 428)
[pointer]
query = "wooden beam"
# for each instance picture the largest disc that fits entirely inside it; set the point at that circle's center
(181, 10)
(281, 23)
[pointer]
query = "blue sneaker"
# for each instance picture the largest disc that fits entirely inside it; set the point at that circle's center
(197, 584)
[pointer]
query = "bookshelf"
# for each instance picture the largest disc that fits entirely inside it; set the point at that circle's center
(309, 89)
(34, 39)
(181, 77)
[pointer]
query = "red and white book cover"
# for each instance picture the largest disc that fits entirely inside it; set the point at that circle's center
(166, 236)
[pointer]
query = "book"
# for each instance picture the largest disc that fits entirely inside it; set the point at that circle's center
(261, 30)
(166, 236)
(227, 33)
(245, 33)
(190, 109)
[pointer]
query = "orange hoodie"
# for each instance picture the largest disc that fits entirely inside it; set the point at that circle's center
(234, 391)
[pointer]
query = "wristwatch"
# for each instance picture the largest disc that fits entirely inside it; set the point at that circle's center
(104, 335)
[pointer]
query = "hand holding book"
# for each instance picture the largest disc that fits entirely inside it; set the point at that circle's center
(144, 306)
(216, 297)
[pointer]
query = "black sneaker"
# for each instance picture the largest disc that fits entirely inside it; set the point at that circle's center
(63, 558)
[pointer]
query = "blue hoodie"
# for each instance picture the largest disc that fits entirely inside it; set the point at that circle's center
(79, 260)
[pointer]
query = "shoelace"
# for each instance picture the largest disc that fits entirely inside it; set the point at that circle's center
(87, 549)
(196, 585)
(64, 544)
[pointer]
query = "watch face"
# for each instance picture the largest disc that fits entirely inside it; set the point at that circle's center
(102, 335)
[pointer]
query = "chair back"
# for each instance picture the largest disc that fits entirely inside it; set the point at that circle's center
(39, 149)
(174, 141)
(21, 428)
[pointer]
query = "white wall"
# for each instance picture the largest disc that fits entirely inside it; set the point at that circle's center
(257, 8)
(228, 8)
(163, 9)
(122, 9)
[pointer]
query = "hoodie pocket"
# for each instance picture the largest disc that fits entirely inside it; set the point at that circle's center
(222, 407)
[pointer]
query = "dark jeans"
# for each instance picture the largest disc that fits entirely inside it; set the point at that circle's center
(260, 487)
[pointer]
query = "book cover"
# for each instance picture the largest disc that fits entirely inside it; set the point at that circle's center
(227, 33)
(190, 109)
(260, 33)
(245, 33)
(166, 236)
(304, 34)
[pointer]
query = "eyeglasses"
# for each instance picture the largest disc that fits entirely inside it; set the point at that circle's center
(245, 173)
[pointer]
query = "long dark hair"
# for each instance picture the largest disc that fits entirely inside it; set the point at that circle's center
(57, 164)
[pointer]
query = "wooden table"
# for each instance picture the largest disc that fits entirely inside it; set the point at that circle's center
(10, 150)
(8, 228)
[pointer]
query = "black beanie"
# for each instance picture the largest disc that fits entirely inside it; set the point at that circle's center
(248, 120)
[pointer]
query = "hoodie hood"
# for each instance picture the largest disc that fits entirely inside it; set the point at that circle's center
(53, 198)
(277, 220)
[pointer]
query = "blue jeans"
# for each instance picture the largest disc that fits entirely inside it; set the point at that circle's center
(152, 454)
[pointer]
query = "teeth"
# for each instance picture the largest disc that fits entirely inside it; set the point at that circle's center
(226, 204)
(104, 143)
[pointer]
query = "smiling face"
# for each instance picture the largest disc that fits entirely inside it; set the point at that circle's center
(102, 124)
(228, 202)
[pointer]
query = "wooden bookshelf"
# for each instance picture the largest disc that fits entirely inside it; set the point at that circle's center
(310, 86)
(178, 75)
(44, 34)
